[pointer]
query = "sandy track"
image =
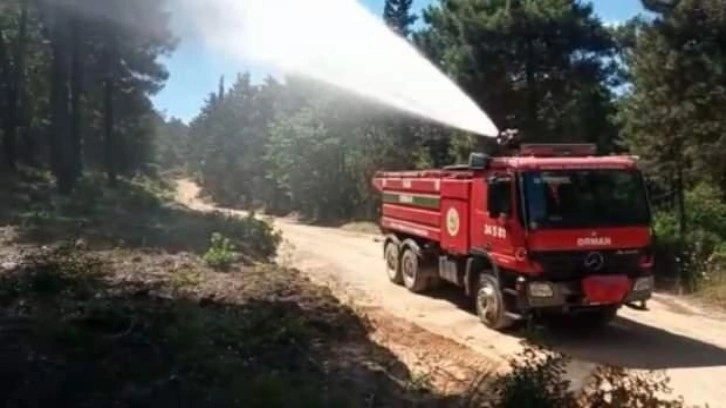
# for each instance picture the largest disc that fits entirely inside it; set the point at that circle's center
(686, 341)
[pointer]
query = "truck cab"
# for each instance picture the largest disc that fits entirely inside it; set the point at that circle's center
(566, 230)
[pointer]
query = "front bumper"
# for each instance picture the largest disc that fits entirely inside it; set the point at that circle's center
(542, 294)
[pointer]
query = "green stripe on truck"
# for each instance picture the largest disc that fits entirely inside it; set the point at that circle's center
(412, 199)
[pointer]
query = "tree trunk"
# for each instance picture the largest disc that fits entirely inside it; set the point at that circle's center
(109, 141)
(76, 95)
(13, 77)
(681, 201)
(533, 130)
(26, 145)
(60, 160)
(9, 114)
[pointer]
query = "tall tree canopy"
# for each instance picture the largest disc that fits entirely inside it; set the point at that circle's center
(673, 117)
(539, 66)
(79, 75)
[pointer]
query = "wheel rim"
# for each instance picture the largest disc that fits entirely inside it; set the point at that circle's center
(391, 262)
(487, 301)
(407, 267)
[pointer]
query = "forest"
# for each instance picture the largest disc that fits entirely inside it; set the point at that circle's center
(76, 92)
(120, 286)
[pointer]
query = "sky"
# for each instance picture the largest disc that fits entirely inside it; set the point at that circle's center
(195, 70)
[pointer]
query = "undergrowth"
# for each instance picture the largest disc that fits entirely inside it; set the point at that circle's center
(77, 331)
(537, 379)
(221, 253)
(139, 213)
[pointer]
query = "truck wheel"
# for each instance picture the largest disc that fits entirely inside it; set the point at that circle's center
(490, 304)
(393, 263)
(413, 280)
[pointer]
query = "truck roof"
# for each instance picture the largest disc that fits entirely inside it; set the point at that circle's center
(523, 163)
(563, 163)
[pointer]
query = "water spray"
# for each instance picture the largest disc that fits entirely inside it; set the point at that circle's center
(340, 43)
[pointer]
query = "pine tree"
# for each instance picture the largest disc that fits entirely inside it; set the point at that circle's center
(538, 66)
(397, 14)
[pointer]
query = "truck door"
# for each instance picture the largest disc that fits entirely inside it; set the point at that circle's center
(494, 216)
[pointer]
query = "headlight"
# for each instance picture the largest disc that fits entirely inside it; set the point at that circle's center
(540, 290)
(643, 284)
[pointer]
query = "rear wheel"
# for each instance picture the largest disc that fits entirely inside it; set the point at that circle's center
(413, 279)
(490, 304)
(393, 263)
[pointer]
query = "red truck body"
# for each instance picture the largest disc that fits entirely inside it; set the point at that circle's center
(548, 229)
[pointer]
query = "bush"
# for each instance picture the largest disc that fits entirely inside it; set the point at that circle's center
(537, 380)
(691, 261)
(221, 253)
(52, 272)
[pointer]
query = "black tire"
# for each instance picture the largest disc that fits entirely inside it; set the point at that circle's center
(393, 263)
(490, 305)
(413, 280)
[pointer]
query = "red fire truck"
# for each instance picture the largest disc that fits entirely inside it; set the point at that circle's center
(547, 228)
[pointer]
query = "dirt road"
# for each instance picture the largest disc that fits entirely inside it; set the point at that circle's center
(686, 341)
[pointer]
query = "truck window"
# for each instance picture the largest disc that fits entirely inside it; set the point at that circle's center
(500, 197)
(585, 198)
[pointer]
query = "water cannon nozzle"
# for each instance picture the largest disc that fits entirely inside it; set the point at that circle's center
(509, 139)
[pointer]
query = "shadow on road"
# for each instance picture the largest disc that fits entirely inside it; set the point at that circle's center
(630, 344)
(624, 343)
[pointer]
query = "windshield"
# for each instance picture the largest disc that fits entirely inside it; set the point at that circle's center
(585, 198)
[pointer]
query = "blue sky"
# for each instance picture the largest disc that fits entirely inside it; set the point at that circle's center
(195, 70)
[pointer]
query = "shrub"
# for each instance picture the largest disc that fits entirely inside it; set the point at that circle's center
(221, 253)
(537, 380)
(689, 261)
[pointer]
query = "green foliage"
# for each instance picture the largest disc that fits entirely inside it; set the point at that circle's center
(221, 253)
(671, 116)
(137, 213)
(697, 259)
(76, 80)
